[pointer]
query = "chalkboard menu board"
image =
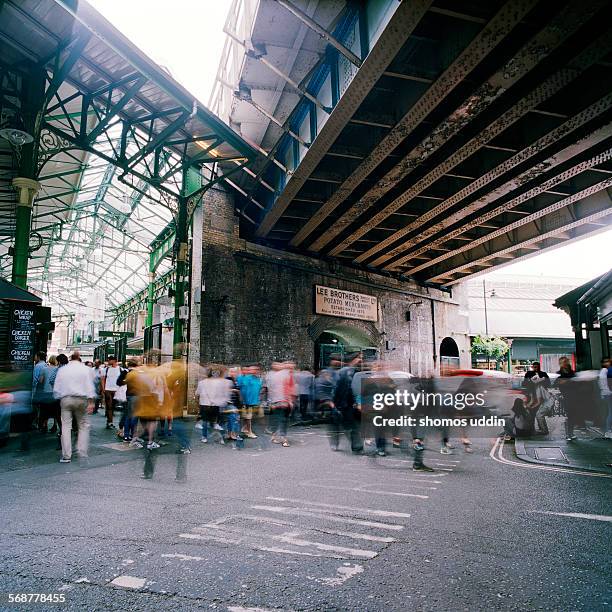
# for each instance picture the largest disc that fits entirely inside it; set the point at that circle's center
(22, 334)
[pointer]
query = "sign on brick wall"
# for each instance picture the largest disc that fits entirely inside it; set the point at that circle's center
(345, 304)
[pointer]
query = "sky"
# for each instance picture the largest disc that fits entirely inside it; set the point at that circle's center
(186, 37)
(583, 259)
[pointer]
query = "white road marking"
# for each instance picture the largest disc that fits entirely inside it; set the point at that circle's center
(182, 557)
(286, 538)
(291, 538)
(450, 462)
(129, 582)
(362, 485)
(497, 455)
(365, 510)
(241, 609)
(328, 517)
(593, 517)
(360, 490)
(346, 571)
(347, 534)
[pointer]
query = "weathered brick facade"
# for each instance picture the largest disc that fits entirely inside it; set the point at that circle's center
(258, 304)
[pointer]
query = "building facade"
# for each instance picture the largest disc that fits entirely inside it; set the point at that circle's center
(258, 305)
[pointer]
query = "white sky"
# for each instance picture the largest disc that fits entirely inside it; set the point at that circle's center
(186, 37)
(583, 259)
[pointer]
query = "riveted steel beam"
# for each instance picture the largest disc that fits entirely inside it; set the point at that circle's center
(491, 35)
(589, 205)
(555, 135)
(321, 31)
(530, 55)
(497, 211)
(398, 30)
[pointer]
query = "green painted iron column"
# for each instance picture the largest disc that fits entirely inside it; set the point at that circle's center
(180, 271)
(150, 297)
(26, 184)
(192, 182)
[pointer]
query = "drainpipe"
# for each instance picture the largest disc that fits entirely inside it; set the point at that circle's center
(433, 332)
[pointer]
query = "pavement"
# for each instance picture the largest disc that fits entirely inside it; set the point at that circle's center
(301, 528)
(590, 451)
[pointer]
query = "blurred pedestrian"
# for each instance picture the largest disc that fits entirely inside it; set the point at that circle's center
(249, 384)
(570, 394)
(605, 390)
(212, 395)
(304, 380)
(74, 388)
(110, 376)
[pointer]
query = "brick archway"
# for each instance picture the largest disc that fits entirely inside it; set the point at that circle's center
(366, 329)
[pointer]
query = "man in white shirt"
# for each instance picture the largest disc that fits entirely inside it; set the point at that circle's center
(110, 375)
(75, 390)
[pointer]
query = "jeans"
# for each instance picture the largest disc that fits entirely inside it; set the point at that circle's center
(130, 421)
(180, 430)
(233, 422)
(209, 416)
(279, 416)
(304, 405)
(347, 420)
(73, 406)
(608, 400)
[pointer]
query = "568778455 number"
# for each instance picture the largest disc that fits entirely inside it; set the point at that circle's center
(35, 597)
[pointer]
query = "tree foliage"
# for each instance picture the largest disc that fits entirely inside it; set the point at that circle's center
(490, 346)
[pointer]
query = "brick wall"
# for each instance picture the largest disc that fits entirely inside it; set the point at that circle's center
(258, 303)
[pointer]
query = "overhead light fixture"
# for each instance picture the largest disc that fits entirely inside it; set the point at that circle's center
(15, 132)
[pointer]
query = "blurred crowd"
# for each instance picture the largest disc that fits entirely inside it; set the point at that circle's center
(236, 404)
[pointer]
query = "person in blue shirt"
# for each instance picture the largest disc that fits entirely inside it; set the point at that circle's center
(249, 384)
(42, 392)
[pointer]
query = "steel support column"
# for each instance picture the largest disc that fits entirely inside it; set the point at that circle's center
(32, 108)
(150, 298)
(181, 269)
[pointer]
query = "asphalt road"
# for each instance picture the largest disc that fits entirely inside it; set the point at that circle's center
(302, 528)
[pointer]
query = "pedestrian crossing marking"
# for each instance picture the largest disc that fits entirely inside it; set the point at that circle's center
(328, 517)
(337, 507)
(360, 490)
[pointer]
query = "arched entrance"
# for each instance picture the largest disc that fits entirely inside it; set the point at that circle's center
(449, 355)
(333, 336)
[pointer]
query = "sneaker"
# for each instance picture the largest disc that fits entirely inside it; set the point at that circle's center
(152, 445)
(381, 453)
(137, 439)
(199, 425)
(251, 435)
(127, 439)
(422, 468)
(570, 438)
(204, 440)
(63, 460)
(217, 427)
(449, 445)
(185, 451)
(135, 444)
(608, 435)
(446, 451)
(110, 426)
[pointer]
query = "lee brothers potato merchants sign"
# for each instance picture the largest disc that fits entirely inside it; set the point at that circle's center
(345, 304)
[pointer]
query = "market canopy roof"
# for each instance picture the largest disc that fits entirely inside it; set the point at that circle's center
(117, 136)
